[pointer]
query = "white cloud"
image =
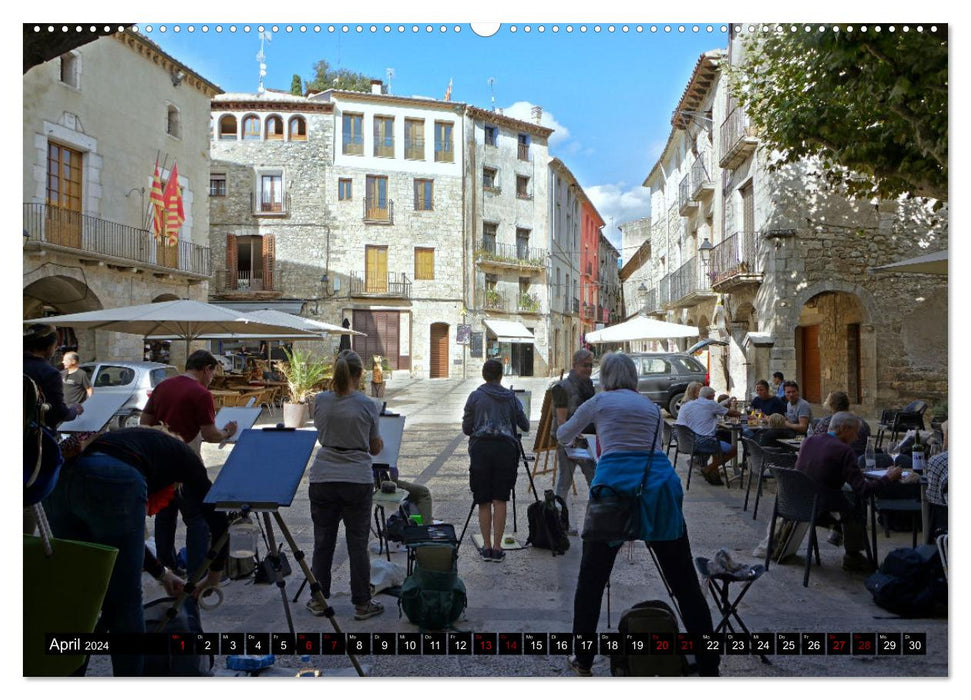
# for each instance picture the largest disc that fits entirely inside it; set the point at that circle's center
(524, 112)
(623, 203)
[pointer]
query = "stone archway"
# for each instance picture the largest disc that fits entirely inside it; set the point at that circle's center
(166, 297)
(60, 294)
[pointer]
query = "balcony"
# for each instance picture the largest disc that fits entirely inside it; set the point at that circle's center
(663, 292)
(686, 205)
(576, 305)
(688, 287)
(378, 211)
(506, 255)
(260, 207)
(528, 303)
(396, 285)
(734, 262)
(589, 311)
(492, 300)
(647, 301)
(50, 227)
(702, 182)
(738, 140)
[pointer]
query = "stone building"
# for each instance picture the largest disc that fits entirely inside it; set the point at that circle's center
(610, 307)
(565, 204)
(507, 241)
(636, 244)
(591, 224)
(786, 281)
(95, 122)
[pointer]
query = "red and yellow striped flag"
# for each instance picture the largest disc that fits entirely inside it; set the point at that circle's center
(158, 205)
(174, 213)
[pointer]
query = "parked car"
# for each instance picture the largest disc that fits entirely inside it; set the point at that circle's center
(137, 379)
(663, 376)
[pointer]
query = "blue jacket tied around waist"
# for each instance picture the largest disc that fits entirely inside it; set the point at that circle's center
(661, 498)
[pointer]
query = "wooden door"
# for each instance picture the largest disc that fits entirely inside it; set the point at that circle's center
(376, 198)
(808, 337)
(854, 363)
(376, 269)
(438, 352)
(382, 335)
(63, 196)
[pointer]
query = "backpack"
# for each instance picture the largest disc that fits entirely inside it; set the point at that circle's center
(433, 595)
(398, 521)
(644, 618)
(549, 521)
(171, 664)
(910, 582)
(42, 455)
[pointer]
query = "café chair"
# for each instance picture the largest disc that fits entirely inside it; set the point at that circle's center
(670, 440)
(687, 443)
(801, 500)
(770, 458)
(899, 421)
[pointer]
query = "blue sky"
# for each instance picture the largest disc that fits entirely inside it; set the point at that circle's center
(609, 95)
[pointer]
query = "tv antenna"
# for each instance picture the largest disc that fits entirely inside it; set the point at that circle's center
(390, 73)
(492, 93)
(265, 37)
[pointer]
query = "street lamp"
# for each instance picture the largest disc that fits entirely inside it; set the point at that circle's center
(704, 250)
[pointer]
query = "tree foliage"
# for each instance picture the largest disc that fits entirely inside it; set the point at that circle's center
(327, 78)
(871, 105)
(296, 85)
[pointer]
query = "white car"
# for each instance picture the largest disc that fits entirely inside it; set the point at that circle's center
(136, 379)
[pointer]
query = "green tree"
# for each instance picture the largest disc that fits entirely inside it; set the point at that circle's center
(327, 78)
(296, 85)
(871, 105)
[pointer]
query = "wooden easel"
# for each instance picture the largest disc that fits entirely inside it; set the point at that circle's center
(544, 441)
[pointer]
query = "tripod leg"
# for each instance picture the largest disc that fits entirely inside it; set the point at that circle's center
(462, 536)
(522, 454)
(515, 527)
(190, 585)
(274, 558)
(300, 558)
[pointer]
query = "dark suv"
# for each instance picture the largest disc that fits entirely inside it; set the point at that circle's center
(663, 376)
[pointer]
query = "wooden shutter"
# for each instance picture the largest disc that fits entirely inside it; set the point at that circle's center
(269, 259)
(232, 276)
(376, 268)
(438, 352)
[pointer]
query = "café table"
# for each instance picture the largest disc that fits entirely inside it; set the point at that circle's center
(735, 429)
(897, 502)
(791, 443)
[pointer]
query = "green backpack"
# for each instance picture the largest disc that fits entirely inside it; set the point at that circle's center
(433, 595)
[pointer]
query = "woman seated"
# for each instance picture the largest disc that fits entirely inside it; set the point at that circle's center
(627, 425)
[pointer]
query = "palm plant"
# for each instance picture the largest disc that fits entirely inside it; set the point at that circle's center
(303, 371)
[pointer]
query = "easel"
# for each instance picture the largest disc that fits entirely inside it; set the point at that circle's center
(544, 441)
(244, 484)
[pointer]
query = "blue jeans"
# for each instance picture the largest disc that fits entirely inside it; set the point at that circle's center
(101, 499)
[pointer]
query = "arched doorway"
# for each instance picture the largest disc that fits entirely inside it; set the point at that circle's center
(59, 294)
(438, 352)
(828, 342)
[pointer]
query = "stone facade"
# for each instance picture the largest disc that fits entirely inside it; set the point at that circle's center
(787, 285)
(565, 218)
(95, 250)
(611, 295)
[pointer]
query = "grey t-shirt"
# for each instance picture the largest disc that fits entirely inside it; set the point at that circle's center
(345, 426)
(795, 412)
(625, 421)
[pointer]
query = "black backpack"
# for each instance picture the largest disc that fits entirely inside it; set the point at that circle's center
(549, 521)
(910, 583)
(172, 664)
(644, 618)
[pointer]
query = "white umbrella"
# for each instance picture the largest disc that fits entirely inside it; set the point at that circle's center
(183, 318)
(642, 328)
(931, 264)
(300, 322)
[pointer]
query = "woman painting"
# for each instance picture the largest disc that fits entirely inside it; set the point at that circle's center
(341, 482)
(627, 425)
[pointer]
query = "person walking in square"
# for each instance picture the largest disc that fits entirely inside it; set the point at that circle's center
(491, 418)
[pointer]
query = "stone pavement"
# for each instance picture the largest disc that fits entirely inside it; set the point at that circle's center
(531, 591)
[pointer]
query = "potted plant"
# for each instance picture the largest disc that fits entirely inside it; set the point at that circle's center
(302, 372)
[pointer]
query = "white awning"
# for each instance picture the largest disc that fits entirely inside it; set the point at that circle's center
(509, 331)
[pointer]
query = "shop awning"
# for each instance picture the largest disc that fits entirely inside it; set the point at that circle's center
(509, 331)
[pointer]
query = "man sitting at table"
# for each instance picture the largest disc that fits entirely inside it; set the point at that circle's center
(838, 401)
(765, 401)
(798, 411)
(701, 415)
(828, 459)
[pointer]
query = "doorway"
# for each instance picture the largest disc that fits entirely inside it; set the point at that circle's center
(807, 349)
(438, 352)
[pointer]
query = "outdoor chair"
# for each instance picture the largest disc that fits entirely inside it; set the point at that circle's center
(802, 500)
(771, 457)
(248, 399)
(688, 444)
(899, 421)
(670, 440)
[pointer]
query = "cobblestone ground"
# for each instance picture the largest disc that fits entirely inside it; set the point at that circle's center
(531, 591)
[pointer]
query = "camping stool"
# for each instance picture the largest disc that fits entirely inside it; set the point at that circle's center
(719, 583)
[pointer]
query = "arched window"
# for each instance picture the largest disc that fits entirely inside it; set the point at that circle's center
(251, 127)
(227, 128)
(274, 128)
(173, 122)
(298, 129)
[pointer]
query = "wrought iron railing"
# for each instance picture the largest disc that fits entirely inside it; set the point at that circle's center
(390, 285)
(647, 301)
(736, 255)
(664, 291)
(684, 193)
(517, 254)
(378, 211)
(734, 130)
(700, 174)
(576, 305)
(492, 300)
(528, 303)
(71, 229)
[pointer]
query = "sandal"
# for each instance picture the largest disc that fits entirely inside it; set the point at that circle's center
(363, 612)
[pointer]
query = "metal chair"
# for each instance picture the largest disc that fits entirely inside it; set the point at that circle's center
(719, 583)
(670, 440)
(687, 443)
(770, 458)
(801, 499)
(897, 421)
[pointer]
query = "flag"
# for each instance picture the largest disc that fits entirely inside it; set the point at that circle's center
(158, 205)
(448, 91)
(174, 213)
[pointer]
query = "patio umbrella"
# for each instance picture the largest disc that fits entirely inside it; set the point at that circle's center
(642, 328)
(931, 264)
(300, 322)
(183, 319)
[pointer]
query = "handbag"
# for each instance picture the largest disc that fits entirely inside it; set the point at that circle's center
(614, 516)
(64, 586)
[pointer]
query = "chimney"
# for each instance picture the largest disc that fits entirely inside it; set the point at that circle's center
(537, 113)
(376, 87)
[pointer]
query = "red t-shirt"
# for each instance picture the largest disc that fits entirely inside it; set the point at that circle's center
(183, 404)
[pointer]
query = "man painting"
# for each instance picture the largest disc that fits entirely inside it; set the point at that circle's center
(701, 415)
(798, 411)
(567, 396)
(77, 384)
(828, 459)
